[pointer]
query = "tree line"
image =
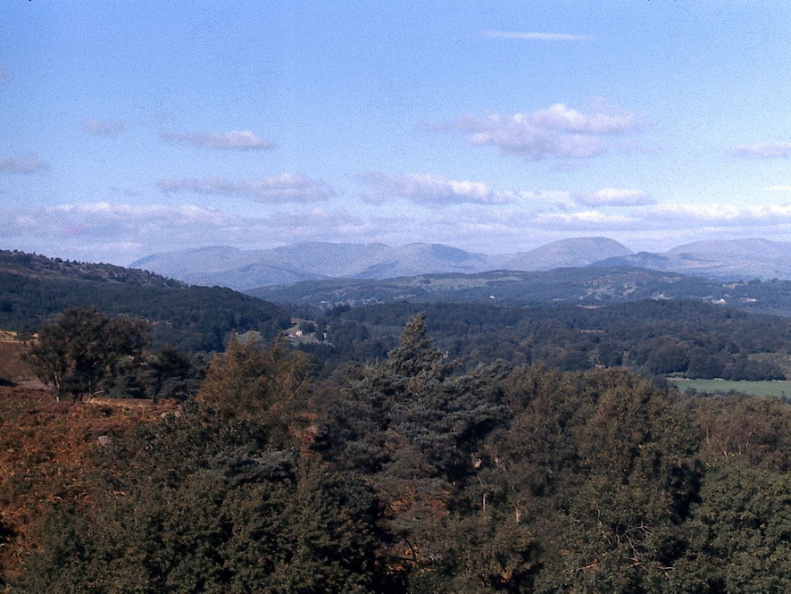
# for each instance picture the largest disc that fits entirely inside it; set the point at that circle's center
(187, 317)
(687, 338)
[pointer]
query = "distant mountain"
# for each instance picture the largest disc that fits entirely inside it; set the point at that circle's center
(330, 259)
(421, 258)
(244, 270)
(727, 259)
(567, 253)
(198, 266)
(734, 260)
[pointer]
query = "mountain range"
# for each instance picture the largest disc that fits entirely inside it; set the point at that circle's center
(735, 259)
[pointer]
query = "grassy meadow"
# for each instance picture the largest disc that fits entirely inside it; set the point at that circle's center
(759, 388)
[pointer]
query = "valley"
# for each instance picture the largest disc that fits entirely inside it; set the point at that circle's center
(442, 432)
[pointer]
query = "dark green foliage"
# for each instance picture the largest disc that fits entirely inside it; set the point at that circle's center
(740, 535)
(221, 498)
(603, 469)
(413, 426)
(656, 336)
(412, 397)
(414, 474)
(590, 286)
(82, 348)
(169, 372)
(35, 288)
(164, 373)
(271, 522)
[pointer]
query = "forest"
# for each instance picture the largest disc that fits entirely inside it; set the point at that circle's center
(394, 448)
(34, 289)
(689, 338)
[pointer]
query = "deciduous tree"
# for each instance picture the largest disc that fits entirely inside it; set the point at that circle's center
(76, 352)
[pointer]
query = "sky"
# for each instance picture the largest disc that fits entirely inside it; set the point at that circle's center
(131, 128)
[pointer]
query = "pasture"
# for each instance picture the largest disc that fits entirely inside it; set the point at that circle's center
(763, 388)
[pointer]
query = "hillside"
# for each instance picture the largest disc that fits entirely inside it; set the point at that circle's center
(587, 286)
(44, 450)
(12, 369)
(655, 337)
(34, 289)
(42, 267)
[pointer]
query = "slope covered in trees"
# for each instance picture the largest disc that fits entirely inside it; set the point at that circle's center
(654, 336)
(413, 474)
(436, 448)
(35, 289)
(42, 267)
(585, 286)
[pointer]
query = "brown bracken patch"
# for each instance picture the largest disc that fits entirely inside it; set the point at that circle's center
(43, 448)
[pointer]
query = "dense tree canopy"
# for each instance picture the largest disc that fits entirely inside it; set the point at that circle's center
(84, 346)
(686, 338)
(417, 474)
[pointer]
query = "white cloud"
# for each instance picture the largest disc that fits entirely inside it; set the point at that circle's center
(110, 128)
(285, 187)
(102, 220)
(777, 150)
(665, 223)
(722, 215)
(111, 233)
(583, 220)
(27, 164)
(122, 233)
(241, 140)
(423, 188)
(613, 197)
(536, 36)
(557, 132)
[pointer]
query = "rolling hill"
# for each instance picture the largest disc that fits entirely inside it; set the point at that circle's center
(34, 289)
(723, 260)
(590, 286)
(741, 259)
(243, 270)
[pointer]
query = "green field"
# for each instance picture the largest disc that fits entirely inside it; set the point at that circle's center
(766, 388)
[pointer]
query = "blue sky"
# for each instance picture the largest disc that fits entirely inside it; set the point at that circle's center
(130, 128)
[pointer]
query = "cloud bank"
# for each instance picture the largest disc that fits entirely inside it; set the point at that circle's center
(239, 140)
(557, 132)
(123, 233)
(613, 197)
(423, 188)
(285, 187)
